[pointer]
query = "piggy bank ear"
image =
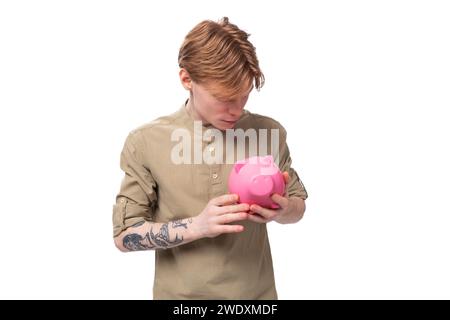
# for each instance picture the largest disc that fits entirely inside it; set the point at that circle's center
(267, 160)
(238, 166)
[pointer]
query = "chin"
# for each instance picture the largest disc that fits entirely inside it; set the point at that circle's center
(224, 126)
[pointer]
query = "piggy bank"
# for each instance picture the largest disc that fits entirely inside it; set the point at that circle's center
(255, 179)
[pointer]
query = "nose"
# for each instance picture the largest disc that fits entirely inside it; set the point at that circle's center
(235, 110)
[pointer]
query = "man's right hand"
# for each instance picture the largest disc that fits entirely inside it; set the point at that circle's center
(218, 213)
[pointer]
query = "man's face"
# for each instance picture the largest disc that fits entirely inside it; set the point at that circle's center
(220, 113)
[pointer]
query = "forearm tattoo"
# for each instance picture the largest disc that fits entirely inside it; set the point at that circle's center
(151, 240)
(180, 223)
(136, 242)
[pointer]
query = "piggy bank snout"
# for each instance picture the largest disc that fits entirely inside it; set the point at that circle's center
(255, 180)
(261, 185)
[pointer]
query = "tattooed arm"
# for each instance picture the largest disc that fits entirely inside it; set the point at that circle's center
(152, 235)
(216, 218)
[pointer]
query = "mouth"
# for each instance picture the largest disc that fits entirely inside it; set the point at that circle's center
(230, 121)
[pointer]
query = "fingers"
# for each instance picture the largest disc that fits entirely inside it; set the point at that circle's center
(265, 213)
(225, 199)
(282, 201)
(230, 228)
(232, 217)
(256, 218)
(243, 207)
(286, 177)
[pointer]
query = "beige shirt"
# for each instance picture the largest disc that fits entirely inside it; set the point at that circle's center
(229, 266)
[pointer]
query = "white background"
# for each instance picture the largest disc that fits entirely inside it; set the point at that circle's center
(362, 88)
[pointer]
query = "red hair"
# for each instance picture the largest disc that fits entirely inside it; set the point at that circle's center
(219, 56)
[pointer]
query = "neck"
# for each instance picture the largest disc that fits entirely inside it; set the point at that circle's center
(190, 108)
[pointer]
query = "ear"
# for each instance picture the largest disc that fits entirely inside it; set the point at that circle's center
(185, 79)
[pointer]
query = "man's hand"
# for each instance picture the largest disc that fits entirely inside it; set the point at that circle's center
(291, 209)
(218, 213)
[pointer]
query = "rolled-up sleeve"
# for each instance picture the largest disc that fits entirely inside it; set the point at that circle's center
(295, 187)
(137, 196)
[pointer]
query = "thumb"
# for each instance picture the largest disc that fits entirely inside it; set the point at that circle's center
(286, 177)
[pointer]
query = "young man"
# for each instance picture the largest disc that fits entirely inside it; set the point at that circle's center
(208, 245)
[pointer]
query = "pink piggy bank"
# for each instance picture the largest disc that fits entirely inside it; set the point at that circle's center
(255, 179)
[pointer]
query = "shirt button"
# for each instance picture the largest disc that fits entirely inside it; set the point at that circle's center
(215, 175)
(122, 200)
